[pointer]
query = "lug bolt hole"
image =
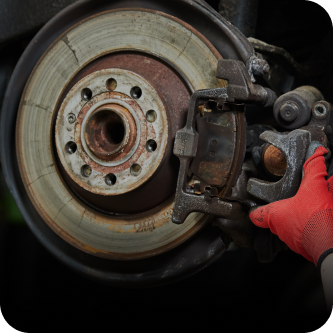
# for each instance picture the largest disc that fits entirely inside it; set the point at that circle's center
(151, 145)
(212, 153)
(111, 84)
(71, 147)
(71, 118)
(136, 170)
(136, 92)
(86, 171)
(110, 179)
(151, 116)
(214, 143)
(86, 94)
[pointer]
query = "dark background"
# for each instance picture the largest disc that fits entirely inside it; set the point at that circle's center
(235, 294)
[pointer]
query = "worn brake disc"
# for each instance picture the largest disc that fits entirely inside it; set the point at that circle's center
(103, 203)
(131, 217)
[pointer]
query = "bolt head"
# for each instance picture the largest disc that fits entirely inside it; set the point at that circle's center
(71, 118)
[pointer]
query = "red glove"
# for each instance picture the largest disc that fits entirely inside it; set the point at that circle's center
(305, 221)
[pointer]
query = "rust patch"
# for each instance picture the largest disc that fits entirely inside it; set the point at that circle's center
(212, 171)
(274, 160)
(215, 152)
(175, 96)
(110, 132)
(131, 139)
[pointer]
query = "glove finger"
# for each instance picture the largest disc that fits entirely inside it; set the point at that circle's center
(261, 216)
(315, 167)
(276, 217)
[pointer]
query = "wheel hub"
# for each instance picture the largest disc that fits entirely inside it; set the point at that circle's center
(114, 133)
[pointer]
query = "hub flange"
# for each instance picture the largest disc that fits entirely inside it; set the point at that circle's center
(114, 134)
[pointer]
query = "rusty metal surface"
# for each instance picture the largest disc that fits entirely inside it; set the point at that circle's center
(215, 151)
(99, 235)
(130, 137)
(191, 145)
(319, 126)
(175, 96)
(100, 269)
(106, 133)
(186, 145)
(240, 79)
(92, 139)
(294, 146)
(274, 161)
(243, 232)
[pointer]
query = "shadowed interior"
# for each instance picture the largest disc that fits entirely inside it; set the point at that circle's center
(104, 132)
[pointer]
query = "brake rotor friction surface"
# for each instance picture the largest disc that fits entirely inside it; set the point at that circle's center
(82, 227)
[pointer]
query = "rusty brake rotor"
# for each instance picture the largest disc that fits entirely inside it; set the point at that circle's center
(99, 166)
(60, 212)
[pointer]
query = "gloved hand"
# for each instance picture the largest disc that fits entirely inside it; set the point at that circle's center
(305, 221)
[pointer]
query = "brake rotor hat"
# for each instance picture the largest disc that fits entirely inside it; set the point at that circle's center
(113, 138)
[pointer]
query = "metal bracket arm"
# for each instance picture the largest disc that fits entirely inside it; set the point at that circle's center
(185, 149)
(241, 87)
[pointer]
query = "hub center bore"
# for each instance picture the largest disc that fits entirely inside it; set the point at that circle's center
(105, 132)
(110, 132)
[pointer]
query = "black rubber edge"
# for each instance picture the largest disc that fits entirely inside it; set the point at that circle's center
(322, 258)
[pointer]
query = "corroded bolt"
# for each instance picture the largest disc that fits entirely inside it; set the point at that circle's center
(86, 171)
(274, 160)
(71, 118)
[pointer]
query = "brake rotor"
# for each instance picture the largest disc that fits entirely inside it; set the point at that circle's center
(106, 151)
(106, 89)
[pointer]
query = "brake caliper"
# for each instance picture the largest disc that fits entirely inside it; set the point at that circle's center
(212, 145)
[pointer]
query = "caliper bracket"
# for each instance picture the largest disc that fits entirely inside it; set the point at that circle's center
(216, 169)
(294, 146)
(186, 145)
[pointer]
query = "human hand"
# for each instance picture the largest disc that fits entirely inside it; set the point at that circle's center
(305, 221)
